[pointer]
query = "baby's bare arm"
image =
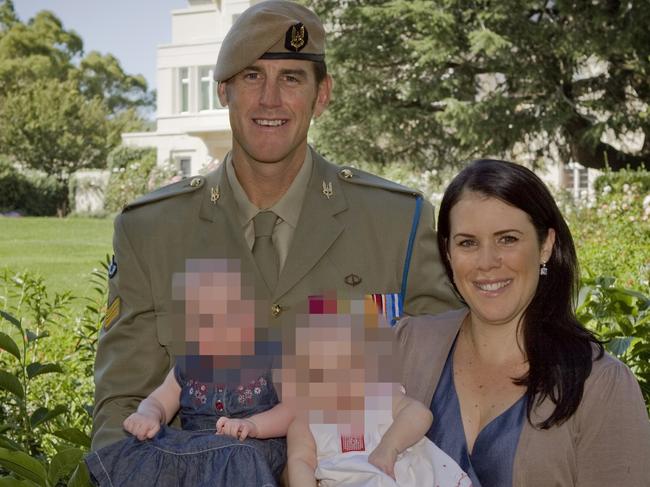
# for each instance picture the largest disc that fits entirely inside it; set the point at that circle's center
(273, 423)
(157, 408)
(411, 421)
(301, 455)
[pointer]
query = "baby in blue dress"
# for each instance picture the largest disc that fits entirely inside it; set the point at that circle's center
(222, 388)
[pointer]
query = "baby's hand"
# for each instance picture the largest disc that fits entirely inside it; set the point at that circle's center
(141, 426)
(237, 428)
(384, 457)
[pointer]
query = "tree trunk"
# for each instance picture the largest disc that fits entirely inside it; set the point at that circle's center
(600, 155)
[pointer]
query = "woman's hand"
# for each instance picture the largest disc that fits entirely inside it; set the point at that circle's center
(237, 428)
(142, 426)
(383, 457)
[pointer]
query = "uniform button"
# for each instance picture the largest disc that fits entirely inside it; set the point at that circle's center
(276, 310)
(346, 173)
(195, 182)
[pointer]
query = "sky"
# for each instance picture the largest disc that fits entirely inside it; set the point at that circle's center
(129, 29)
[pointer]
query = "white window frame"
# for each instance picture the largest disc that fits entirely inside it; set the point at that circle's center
(178, 157)
(579, 179)
(187, 171)
(183, 86)
(213, 99)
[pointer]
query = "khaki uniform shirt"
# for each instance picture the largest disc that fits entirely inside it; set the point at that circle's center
(351, 237)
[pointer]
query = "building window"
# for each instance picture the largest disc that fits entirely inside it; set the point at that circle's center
(207, 89)
(576, 179)
(185, 166)
(184, 83)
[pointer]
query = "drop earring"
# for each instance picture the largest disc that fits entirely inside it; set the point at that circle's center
(543, 271)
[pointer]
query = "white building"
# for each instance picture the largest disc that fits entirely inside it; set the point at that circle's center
(193, 129)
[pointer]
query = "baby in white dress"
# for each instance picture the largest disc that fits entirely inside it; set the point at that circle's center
(354, 427)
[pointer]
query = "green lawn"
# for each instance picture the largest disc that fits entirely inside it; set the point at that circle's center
(64, 251)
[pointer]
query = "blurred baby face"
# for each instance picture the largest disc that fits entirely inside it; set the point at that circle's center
(342, 365)
(217, 316)
(336, 367)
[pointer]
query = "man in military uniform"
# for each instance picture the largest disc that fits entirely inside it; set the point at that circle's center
(331, 228)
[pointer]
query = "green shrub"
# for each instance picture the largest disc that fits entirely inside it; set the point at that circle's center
(133, 173)
(46, 361)
(130, 168)
(29, 192)
(612, 247)
(616, 180)
(621, 317)
(612, 237)
(612, 232)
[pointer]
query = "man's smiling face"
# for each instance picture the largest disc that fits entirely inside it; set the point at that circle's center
(271, 105)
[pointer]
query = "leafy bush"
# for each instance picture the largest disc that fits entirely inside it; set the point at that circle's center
(613, 233)
(622, 318)
(21, 452)
(45, 412)
(29, 192)
(130, 168)
(133, 173)
(616, 180)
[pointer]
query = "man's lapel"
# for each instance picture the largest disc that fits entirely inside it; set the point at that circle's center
(317, 226)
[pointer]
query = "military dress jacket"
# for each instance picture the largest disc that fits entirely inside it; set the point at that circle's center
(606, 442)
(352, 237)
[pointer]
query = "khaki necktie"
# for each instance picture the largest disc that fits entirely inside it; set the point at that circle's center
(264, 253)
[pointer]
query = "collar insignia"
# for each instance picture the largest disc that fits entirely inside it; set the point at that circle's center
(215, 194)
(327, 189)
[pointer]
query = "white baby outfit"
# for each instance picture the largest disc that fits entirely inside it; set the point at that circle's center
(423, 464)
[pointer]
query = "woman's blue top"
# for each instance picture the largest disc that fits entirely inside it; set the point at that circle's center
(490, 463)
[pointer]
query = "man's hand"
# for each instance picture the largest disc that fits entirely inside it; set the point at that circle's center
(383, 457)
(237, 428)
(141, 426)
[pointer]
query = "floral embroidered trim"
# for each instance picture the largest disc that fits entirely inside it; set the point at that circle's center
(254, 388)
(198, 392)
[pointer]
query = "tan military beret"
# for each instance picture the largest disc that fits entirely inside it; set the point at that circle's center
(274, 29)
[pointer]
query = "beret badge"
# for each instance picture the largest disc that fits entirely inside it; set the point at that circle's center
(296, 37)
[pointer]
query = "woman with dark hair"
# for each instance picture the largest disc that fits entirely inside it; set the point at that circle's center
(521, 393)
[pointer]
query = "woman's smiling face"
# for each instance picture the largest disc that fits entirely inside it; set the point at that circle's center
(495, 256)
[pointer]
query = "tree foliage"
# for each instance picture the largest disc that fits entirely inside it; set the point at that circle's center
(61, 111)
(101, 76)
(41, 49)
(55, 137)
(433, 82)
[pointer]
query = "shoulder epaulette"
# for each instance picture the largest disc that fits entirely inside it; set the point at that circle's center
(357, 176)
(184, 186)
